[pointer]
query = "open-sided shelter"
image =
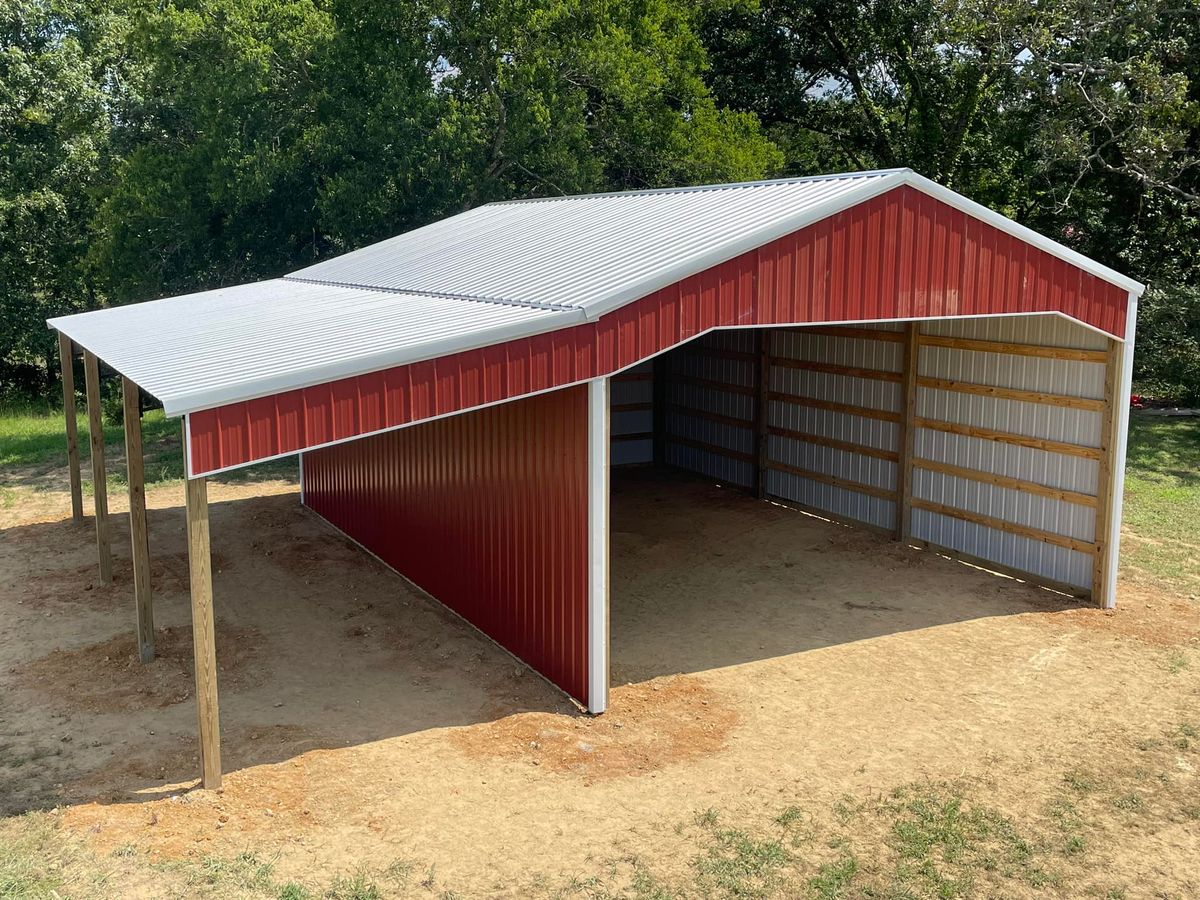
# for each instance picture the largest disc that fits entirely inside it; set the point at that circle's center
(872, 346)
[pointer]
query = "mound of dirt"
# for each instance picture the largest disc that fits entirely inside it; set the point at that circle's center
(648, 726)
(109, 677)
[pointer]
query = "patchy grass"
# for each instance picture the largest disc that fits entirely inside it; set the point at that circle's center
(944, 843)
(833, 879)
(738, 864)
(921, 840)
(1162, 502)
(37, 862)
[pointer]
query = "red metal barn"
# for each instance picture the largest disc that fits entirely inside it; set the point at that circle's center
(872, 346)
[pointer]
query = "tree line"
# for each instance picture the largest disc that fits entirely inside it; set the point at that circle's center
(157, 147)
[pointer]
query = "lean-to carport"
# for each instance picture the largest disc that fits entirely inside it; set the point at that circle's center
(872, 346)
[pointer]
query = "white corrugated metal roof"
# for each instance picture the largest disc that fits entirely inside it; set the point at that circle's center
(595, 251)
(202, 350)
(491, 274)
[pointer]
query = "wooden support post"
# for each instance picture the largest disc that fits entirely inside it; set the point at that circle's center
(762, 418)
(1104, 475)
(135, 465)
(204, 648)
(91, 377)
(907, 433)
(66, 362)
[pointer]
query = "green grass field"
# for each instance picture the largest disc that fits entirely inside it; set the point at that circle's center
(1162, 502)
(33, 452)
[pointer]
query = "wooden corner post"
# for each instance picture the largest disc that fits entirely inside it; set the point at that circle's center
(66, 362)
(204, 647)
(91, 378)
(139, 541)
(907, 435)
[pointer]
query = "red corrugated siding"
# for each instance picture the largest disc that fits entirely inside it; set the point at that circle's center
(901, 255)
(487, 511)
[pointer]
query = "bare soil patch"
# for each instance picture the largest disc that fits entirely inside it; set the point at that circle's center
(109, 677)
(647, 727)
(1155, 620)
(762, 660)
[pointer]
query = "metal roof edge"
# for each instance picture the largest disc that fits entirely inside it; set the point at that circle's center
(1021, 232)
(197, 401)
(750, 241)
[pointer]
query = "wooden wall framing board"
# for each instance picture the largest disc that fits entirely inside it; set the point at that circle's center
(1104, 478)
(1037, 350)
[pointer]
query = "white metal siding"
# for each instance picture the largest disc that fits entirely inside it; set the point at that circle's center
(1084, 379)
(690, 361)
(626, 391)
(861, 353)
(702, 359)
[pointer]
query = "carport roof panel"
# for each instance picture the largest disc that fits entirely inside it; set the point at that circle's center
(594, 252)
(200, 350)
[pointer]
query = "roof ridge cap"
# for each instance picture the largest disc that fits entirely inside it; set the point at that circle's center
(443, 295)
(699, 188)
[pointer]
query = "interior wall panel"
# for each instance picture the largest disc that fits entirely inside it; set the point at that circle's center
(1051, 421)
(720, 444)
(633, 387)
(843, 464)
(487, 512)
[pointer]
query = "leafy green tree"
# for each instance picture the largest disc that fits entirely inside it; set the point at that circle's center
(57, 60)
(1078, 118)
(268, 133)
(567, 96)
(218, 183)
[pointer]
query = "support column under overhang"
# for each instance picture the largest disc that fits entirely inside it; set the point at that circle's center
(598, 447)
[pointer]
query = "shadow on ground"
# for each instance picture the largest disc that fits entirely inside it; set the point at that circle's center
(320, 646)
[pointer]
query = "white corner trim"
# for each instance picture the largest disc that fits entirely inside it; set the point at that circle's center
(597, 512)
(1124, 389)
(187, 446)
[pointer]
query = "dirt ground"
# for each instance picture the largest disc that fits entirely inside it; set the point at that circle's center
(760, 656)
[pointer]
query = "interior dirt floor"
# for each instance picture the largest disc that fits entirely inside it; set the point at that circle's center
(759, 655)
